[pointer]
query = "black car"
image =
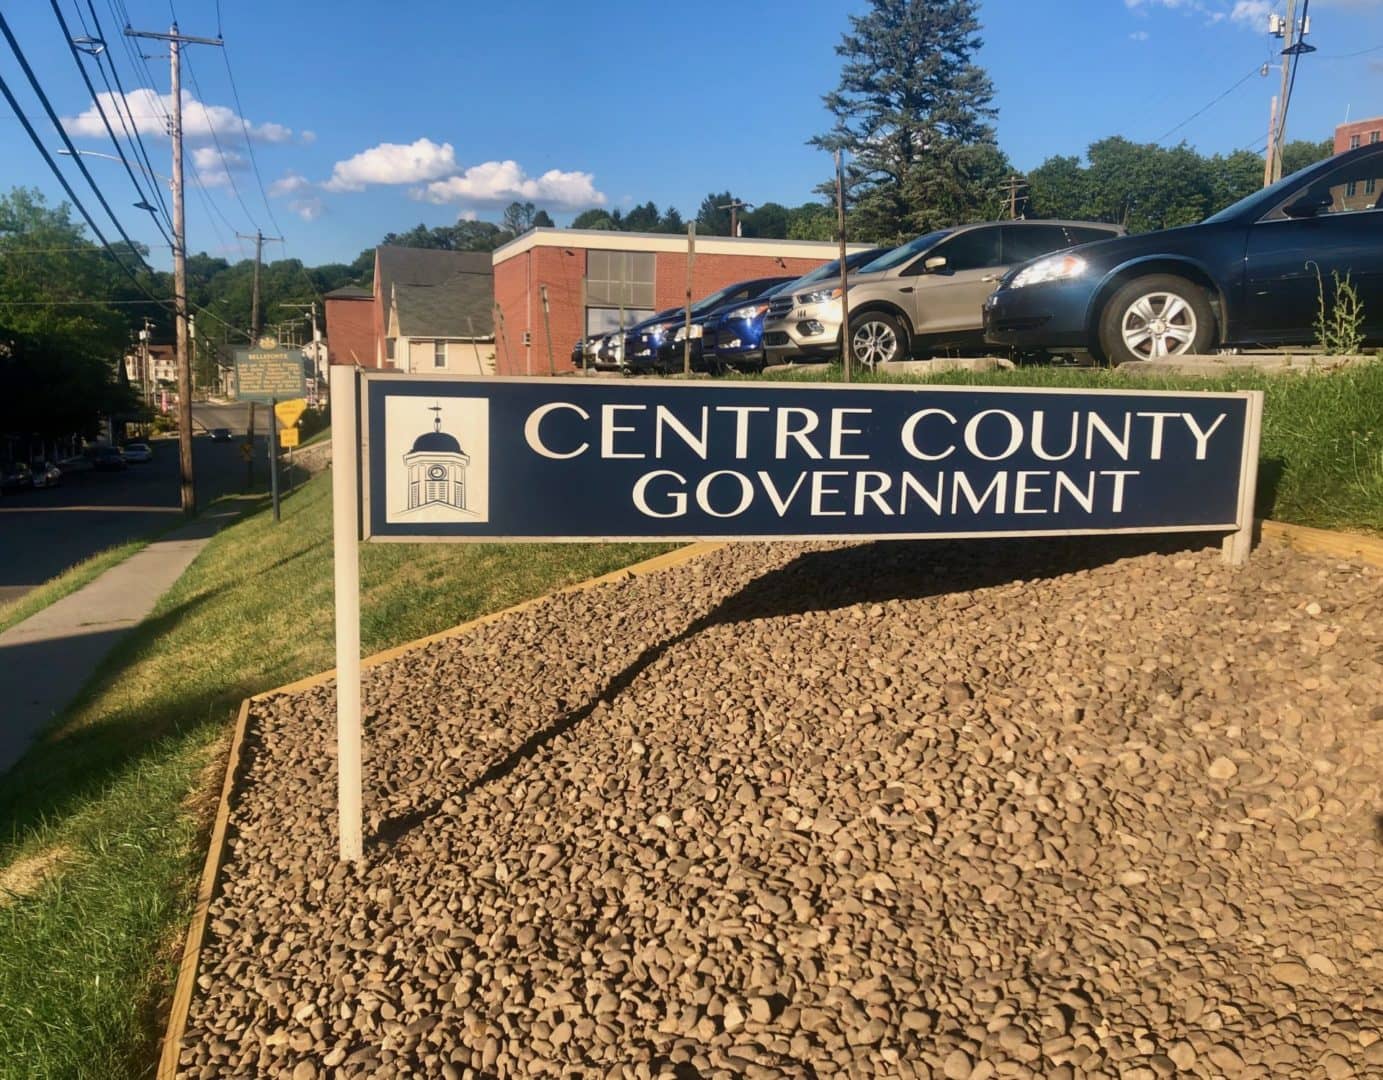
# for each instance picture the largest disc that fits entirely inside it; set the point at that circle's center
(16, 476)
(658, 345)
(220, 434)
(1250, 275)
(106, 458)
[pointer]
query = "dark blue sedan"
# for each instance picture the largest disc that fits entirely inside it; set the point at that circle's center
(1251, 275)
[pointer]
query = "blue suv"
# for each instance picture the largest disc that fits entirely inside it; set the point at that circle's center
(658, 344)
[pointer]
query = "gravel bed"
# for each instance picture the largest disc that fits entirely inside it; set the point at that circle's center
(907, 810)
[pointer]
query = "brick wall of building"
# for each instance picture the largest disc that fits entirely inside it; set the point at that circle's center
(351, 331)
(1368, 131)
(562, 270)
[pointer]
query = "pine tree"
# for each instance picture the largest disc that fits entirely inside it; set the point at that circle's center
(913, 114)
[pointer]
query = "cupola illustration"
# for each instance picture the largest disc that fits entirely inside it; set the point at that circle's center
(436, 468)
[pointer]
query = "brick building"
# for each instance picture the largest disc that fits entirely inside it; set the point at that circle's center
(1358, 133)
(350, 317)
(597, 278)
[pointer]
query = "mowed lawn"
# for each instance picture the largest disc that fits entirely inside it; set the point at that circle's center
(103, 825)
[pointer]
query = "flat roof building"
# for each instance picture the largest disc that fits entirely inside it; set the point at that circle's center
(598, 279)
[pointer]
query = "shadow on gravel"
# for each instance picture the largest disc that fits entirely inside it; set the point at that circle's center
(828, 580)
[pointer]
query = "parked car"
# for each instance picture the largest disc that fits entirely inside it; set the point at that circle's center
(106, 458)
(16, 476)
(220, 434)
(138, 453)
(46, 474)
(1253, 274)
(658, 345)
(929, 294)
(775, 336)
(75, 464)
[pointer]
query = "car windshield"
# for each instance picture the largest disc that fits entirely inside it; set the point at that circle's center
(900, 255)
(1261, 201)
(710, 303)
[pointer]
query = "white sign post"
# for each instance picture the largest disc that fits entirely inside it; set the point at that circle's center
(345, 506)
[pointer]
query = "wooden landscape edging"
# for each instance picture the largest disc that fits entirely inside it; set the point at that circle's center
(1300, 537)
(211, 869)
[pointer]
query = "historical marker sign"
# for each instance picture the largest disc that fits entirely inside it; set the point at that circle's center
(478, 459)
(265, 372)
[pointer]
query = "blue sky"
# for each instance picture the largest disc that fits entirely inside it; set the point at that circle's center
(365, 118)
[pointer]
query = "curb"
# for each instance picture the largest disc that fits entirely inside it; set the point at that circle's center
(1300, 537)
(215, 857)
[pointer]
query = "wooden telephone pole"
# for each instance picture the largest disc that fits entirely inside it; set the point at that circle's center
(1011, 187)
(734, 206)
(255, 324)
(175, 41)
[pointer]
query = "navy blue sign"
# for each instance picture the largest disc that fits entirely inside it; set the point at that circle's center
(471, 459)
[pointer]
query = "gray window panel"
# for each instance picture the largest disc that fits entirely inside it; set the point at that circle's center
(1024, 242)
(619, 278)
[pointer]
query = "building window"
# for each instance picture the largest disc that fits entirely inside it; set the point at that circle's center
(439, 354)
(619, 279)
(1351, 189)
(1373, 137)
(1354, 142)
(389, 348)
(1370, 185)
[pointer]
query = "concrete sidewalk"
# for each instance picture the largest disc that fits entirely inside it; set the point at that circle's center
(47, 659)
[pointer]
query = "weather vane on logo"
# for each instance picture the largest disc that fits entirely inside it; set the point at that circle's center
(436, 468)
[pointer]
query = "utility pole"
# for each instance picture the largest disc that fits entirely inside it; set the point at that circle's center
(547, 330)
(844, 271)
(1294, 32)
(258, 238)
(1011, 187)
(734, 206)
(188, 490)
(686, 332)
(1272, 143)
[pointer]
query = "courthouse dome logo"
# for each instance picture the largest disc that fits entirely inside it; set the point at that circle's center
(442, 472)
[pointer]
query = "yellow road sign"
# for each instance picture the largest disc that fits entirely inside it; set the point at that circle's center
(288, 437)
(289, 411)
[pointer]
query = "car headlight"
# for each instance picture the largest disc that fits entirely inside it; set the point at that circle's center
(1052, 268)
(749, 311)
(820, 296)
(682, 334)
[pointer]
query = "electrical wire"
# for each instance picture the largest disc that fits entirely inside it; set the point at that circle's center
(62, 132)
(216, 141)
(1292, 79)
(249, 143)
(132, 128)
(1211, 104)
(119, 149)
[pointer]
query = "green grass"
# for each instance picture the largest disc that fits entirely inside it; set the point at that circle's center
(69, 581)
(1321, 457)
(118, 792)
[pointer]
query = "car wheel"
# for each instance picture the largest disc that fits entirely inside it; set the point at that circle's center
(1156, 316)
(876, 338)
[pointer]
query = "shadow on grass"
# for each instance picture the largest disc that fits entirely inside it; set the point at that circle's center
(826, 581)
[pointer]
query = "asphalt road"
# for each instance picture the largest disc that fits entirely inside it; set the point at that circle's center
(42, 533)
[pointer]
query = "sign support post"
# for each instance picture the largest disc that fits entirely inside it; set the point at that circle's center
(345, 505)
(1237, 544)
(274, 456)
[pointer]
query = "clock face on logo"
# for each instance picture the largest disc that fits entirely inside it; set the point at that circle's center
(436, 472)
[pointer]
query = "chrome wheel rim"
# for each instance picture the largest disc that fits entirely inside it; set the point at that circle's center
(874, 343)
(1158, 324)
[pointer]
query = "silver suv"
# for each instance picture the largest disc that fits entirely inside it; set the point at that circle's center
(927, 294)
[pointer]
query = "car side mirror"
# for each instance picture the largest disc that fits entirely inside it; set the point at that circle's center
(1309, 206)
(935, 264)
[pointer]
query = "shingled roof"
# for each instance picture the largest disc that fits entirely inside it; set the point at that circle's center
(438, 294)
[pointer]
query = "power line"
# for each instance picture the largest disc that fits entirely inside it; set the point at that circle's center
(133, 126)
(244, 127)
(90, 248)
(96, 99)
(62, 132)
(216, 141)
(1211, 104)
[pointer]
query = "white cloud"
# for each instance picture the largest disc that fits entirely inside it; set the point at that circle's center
(214, 165)
(307, 138)
(1139, 35)
(1252, 13)
(290, 183)
(468, 215)
(393, 163)
(149, 111)
(495, 182)
(309, 209)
